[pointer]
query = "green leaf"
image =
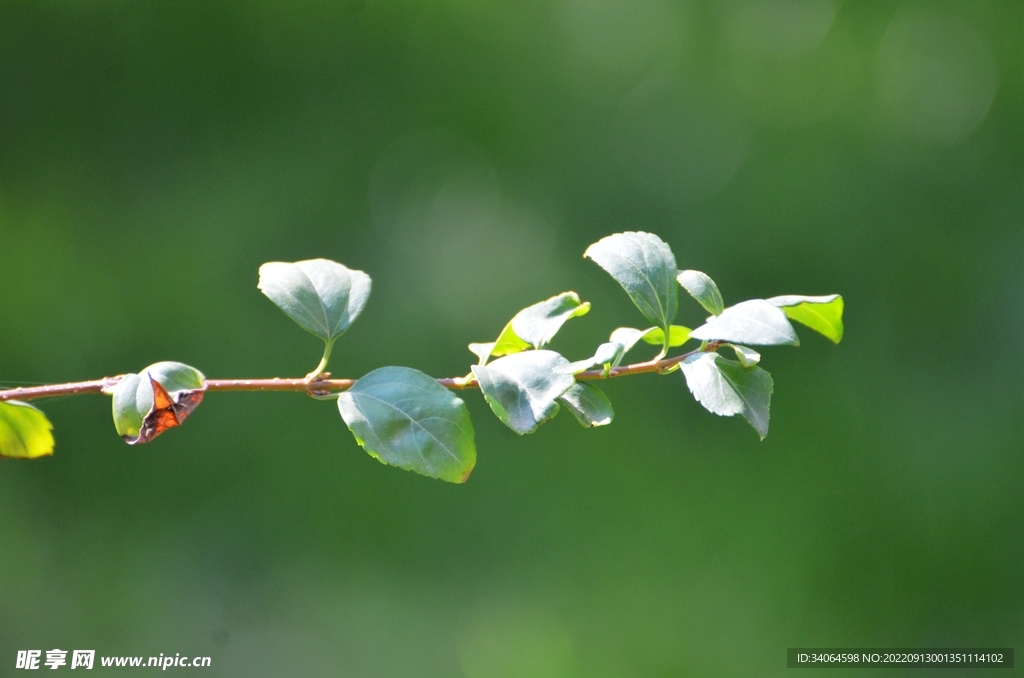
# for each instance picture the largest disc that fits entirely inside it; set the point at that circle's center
(322, 296)
(404, 418)
(176, 377)
(137, 418)
(523, 389)
(754, 322)
(588, 404)
(608, 354)
(128, 410)
(821, 314)
(538, 324)
(533, 327)
(726, 388)
(748, 357)
(678, 335)
(702, 288)
(508, 342)
(25, 432)
(645, 267)
(482, 351)
(629, 336)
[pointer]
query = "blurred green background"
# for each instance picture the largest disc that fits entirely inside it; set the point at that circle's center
(464, 153)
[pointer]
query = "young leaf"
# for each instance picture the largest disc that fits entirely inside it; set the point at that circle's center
(532, 327)
(726, 388)
(618, 345)
(678, 335)
(588, 404)
(128, 411)
(608, 353)
(538, 324)
(482, 351)
(509, 342)
(645, 267)
(821, 314)
(25, 432)
(523, 389)
(629, 336)
(322, 296)
(702, 288)
(748, 357)
(162, 396)
(404, 418)
(753, 322)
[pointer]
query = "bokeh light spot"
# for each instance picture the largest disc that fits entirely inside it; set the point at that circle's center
(936, 75)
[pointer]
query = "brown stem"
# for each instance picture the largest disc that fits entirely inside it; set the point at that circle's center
(320, 387)
(52, 390)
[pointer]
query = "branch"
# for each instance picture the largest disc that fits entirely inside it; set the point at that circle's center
(322, 387)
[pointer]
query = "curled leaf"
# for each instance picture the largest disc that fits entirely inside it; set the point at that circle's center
(748, 357)
(161, 397)
(538, 324)
(25, 432)
(533, 327)
(822, 314)
(678, 335)
(523, 389)
(701, 287)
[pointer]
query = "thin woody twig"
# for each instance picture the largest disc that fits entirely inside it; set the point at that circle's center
(321, 387)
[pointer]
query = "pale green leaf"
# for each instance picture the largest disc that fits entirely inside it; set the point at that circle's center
(726, 388)
(748, 357)
(608, 354)
(482, 351)
(404, 418)
(588, 404)
(25, 432)
(621, 341)
(128, 411)
(645, 267)
(533, 327)
(629, 336)
(678, 335)
(523, 389)
(322, 296)
(508, 342)
(702, 288)
(822, 314)
(538, 324)
(754, 322)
